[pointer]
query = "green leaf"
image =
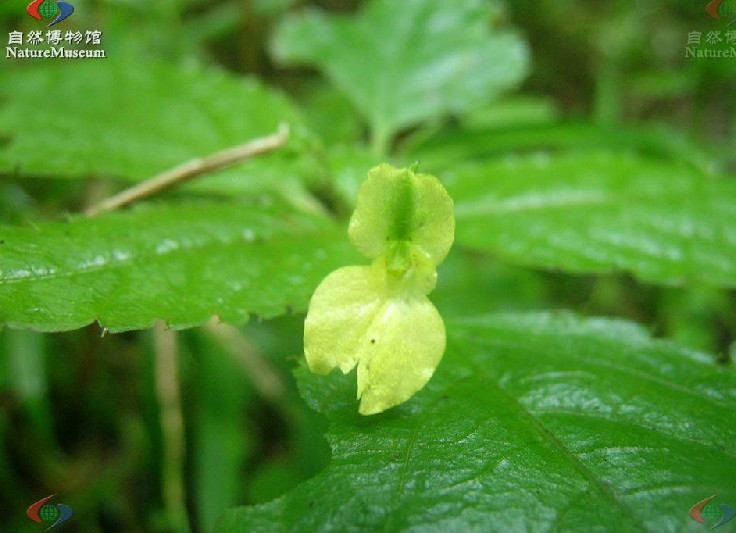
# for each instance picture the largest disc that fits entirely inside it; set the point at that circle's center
(512, 111)
(181, 264)
(533, 422)
(347, 166)
(331, 115)
(402, 63)
(453, 146)
(114, 120)
(470, 283)
(600, 212)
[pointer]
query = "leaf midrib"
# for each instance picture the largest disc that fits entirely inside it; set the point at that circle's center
(533, 422)
(551, 438)
(407, 456)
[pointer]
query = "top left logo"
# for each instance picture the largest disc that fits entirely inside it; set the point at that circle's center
(50, 9)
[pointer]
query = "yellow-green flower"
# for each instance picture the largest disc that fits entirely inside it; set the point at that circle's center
(378, 316)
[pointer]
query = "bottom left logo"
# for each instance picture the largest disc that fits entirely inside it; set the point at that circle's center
(48, 512)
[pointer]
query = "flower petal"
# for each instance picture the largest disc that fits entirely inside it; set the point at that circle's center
(379, 316)
(400, 351)
(397, 205)
(340, 312)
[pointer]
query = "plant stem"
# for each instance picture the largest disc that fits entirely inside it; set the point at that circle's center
(266, 380)
(172, 426)
(380, 139)
(607, 103)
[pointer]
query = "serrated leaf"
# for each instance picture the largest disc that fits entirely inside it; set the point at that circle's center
(600, 212)
(112, 119)
(181, 264)
(402, 63)
(533, 422)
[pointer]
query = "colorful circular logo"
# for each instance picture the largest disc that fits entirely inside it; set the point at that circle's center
(41, 511)
(50, 9)
(722, 9)
(708, 512)
(47, 513)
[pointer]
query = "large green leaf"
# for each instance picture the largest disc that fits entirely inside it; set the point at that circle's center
(92, 119)
(451, 146)
(600, 212)
(181, 264)
(533, 422)
(405, 62)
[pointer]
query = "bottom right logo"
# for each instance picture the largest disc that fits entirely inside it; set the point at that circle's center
(708, 512)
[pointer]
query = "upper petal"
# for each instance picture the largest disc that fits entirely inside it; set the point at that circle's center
(399, 206)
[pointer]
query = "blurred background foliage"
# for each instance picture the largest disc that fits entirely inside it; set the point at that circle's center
(94, 418)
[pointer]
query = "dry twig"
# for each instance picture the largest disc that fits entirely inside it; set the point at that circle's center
(192, 169)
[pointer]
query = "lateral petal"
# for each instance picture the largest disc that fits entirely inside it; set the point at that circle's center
(400, 351)
(340, 311)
